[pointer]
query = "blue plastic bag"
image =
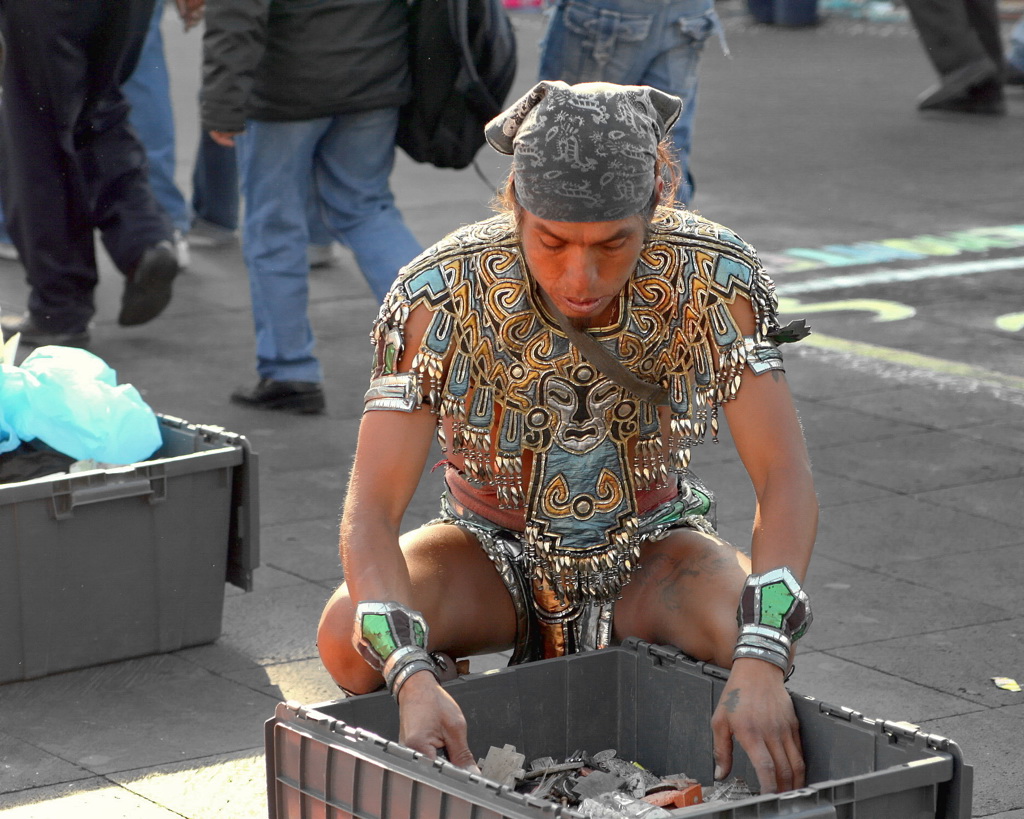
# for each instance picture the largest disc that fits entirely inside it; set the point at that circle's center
(69, 399)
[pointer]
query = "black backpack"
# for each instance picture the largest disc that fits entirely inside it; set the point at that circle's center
(463, 61)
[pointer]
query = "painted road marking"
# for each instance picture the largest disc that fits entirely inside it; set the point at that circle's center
(885, 251)
(883, 310)
(894, 275)
(940, 367)
(1011, 322)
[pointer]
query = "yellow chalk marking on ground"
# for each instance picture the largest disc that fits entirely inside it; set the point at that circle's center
(883, 310)
(1011, 322)
(906, 358)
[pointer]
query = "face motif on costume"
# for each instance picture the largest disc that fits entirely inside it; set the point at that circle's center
(584, 408)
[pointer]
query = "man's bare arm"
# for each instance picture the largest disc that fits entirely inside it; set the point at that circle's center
(755, 707)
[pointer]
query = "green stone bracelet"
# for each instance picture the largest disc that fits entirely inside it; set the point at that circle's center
(384, 627)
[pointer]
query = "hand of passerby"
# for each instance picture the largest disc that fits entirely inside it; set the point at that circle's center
(757, 711)
(431, 721)
(224, 138)
(191, 11)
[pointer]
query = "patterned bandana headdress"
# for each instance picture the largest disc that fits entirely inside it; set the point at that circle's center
(587, 152)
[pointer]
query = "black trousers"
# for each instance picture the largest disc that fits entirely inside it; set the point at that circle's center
(69, 161)
(958, 32)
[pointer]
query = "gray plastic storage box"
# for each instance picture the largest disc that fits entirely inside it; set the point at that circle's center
(114, 563)
(651, 704)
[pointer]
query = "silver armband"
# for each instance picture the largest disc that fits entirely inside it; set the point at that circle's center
(763, 355)
(394, 392)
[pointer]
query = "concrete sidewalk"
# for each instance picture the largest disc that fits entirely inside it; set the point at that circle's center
(805, 139)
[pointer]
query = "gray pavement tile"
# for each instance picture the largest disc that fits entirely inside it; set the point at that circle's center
(897, 528)
(271, 625)
(921, 463)
(729, 481)
(976, 574)
(227, 785)
(1007, 432)
(134, 714)
(829, 423)
(266, 576)
(871, 691)
(990, 741)
(959, 660)
(96, 797)
(935, 408)
(813, 375)
(301, 494)
(305, 681)
(298, 443)
(853, 606)
(1001, 500)
(833, 490)
(304, 548)
(23, 766)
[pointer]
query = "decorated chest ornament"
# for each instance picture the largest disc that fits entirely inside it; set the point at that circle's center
(494, 364)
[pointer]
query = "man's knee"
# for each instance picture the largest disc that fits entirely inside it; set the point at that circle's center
(337, 652)
(686, 594)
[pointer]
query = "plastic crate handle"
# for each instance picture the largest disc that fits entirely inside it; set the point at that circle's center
(65, 498)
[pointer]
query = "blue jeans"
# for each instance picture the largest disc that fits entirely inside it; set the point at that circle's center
(215, 184)
(215, 191)
(346, 162)
(634, 42)
(148, 91)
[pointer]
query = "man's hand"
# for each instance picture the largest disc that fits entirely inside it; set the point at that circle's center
(757, 710)
(225, 139)
(191, 11)
(431, 721)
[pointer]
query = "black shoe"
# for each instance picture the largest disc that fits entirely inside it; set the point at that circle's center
(957, 87)
(1013, 75)
(987, 99)
(287, 396)
(147, 290)
(33, 336)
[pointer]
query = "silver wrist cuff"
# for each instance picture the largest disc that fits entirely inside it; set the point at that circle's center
(404, 670)
(773, 657)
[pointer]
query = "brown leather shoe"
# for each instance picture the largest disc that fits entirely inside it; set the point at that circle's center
(305, 397)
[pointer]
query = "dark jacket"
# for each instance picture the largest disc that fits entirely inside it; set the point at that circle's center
(301, 59)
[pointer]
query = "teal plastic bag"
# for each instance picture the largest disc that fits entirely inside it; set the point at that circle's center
(69, 399)
(8, 440)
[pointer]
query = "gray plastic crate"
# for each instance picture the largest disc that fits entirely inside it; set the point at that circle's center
(114, 563)
(652, 704)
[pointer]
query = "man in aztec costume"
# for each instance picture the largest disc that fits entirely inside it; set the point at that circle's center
(567, 353)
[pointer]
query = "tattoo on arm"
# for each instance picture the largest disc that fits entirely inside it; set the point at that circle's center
(732, 701)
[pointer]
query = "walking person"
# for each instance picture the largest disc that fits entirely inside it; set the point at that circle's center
(635, 42)
(963, 41)
(70, 165)
(308, 94)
